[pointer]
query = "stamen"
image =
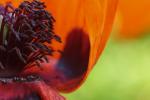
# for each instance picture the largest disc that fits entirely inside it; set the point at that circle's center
(23, 34)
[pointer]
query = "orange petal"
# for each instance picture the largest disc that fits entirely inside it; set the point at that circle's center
(15, 2)
(84, 26)
(134, 17)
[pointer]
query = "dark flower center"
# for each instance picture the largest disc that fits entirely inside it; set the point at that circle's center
(24, 32)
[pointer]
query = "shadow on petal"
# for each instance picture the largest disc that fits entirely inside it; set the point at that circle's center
(73, 64)
(75, 57)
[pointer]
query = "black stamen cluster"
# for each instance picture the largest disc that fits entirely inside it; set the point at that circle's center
(23, 34)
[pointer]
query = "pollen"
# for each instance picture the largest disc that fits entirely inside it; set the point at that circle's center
(24, 33)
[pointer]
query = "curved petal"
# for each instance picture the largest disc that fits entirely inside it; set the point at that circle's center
(84, 26)
(134, 17)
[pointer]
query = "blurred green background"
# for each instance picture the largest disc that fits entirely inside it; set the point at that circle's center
(122, 73)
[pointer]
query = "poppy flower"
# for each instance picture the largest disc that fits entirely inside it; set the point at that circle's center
(50, 46)
(133, 18)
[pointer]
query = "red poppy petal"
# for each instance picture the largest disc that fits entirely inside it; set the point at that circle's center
(84, 26)
(44, 92)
